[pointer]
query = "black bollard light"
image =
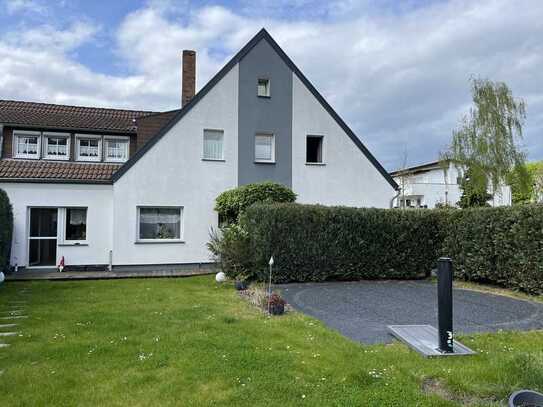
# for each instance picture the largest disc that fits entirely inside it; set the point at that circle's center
(445, 304)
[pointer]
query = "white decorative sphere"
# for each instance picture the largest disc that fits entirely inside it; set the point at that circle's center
(220, 277)
(1, 277)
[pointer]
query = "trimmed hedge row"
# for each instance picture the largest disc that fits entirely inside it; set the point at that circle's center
(502, 246)
(6, 229)
(316, 243)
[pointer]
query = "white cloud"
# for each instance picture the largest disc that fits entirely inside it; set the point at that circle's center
(24, 6)
(398, 77)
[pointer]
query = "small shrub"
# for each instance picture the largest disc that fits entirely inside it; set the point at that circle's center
(6, 229)
(230, 204)
(230, 249)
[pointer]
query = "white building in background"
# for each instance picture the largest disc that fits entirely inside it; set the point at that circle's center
(430, 185)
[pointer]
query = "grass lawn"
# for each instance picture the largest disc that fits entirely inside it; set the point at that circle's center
(188, 342)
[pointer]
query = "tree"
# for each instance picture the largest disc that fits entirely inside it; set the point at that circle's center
(531, 191)
(472, 195)
(486, 141)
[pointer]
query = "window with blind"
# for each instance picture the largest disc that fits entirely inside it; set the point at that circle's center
(159, 223)
(213, 144)
(265, 148)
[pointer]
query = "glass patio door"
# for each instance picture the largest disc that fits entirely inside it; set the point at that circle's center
(42, 239)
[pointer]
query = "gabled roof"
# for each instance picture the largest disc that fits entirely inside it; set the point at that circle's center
(56, 171)
(262, 35)
(52, 116)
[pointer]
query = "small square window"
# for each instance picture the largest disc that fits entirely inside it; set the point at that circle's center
(89, 148)
(263, 88)
(27, 145)
(265, 148)
(314, 150)
(57, 146)
(117, 149)
(213, 144)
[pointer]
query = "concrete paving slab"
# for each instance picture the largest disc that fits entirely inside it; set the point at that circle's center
(15, 317)
(4, 345)
(4, 326)
(8, 333)
(362, 310)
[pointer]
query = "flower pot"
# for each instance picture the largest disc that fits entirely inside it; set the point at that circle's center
(240, 285)
(526, 398)
(277, 309)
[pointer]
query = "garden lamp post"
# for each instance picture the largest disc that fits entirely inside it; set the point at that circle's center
(270, 263)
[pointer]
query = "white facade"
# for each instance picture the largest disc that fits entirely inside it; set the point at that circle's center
(98, 199)
(346, 176)
(432, 185)
(173, 174)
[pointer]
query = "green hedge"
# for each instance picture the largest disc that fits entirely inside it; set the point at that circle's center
(6, 229)
(230, 204)
(316, 243)
(502, 246)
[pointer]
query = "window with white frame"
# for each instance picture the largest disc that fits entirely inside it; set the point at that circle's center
(213, 144)
(88, 148)
(75, 228)
(263, 87)
(264, 148)
(116, 148)
(160, 223)
(26, 144)
(56, 146)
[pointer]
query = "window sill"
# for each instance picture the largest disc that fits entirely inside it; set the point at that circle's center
(56, 159)
(26, 157)
(79, 243)
(316, 164)
(264, 162)
(220, 160)
(264, 96)
(159, 241)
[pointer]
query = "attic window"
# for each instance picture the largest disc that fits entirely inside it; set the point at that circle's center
(27, 144)
(314, 150)
(263, 88)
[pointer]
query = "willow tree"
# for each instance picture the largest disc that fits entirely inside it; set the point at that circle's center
(487, 139)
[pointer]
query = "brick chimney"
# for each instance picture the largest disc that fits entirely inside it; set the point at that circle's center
(188, 86)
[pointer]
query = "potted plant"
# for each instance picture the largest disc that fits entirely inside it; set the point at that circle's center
(276, 304)
(241, 282)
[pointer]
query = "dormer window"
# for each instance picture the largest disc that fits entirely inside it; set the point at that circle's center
(27, 144)
(88, 148)
(263, 88)
(56, 146)
(116, 149)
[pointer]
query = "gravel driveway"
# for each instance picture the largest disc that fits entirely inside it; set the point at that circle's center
(362, 310)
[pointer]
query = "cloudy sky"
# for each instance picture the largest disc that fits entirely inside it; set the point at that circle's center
(397, 72)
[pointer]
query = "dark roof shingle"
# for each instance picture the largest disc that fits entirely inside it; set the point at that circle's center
(68, 117)
(50, 171)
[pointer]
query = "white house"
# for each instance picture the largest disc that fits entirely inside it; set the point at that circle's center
(429, 185)
(102, 187)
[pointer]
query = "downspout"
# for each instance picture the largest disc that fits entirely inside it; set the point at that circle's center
(398, 192)
(1, 138)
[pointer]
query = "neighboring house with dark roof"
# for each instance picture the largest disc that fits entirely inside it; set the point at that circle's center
(434, 184)
(109, 187)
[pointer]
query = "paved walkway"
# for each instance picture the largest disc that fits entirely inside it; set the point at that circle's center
(362, 310)
(103, 275)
